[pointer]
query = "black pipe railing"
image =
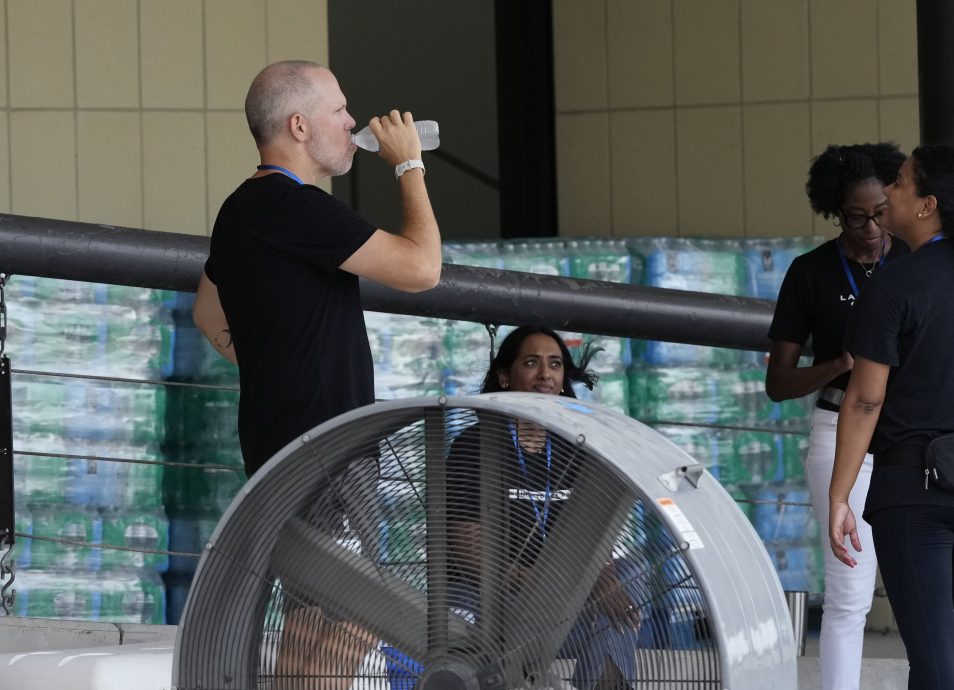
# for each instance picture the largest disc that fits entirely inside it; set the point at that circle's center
(171, 261)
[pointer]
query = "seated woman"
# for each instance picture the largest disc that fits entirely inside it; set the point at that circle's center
(536, 480)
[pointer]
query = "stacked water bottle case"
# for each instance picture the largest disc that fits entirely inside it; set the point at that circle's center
(100, 330)
(200, 433)
(752, 445)
(709, 401)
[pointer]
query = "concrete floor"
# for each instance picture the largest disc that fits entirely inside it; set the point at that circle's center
(885, 666)
(877, 645)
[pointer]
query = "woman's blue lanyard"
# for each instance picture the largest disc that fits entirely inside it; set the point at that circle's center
(541, 519)
(937, 238)
(844, 265)
(280, 169)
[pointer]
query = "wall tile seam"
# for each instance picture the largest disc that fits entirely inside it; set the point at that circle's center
(76, 156)
(205, 123)
(142, 122)
(742, 194)
(760, 101)
(675, 120)
(811, 81)
(609, 126)
(877, 19)
(728, 104)
(9, 135)
(119, 109)
(268, 52)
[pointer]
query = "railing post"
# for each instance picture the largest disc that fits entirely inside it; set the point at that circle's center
(7, 517)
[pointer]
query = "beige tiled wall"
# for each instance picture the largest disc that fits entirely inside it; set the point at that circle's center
(716, 107)
(130, 112)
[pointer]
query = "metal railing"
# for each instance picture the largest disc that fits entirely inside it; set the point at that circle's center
(170, 261)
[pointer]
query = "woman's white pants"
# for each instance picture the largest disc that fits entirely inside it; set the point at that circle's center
(848, 591)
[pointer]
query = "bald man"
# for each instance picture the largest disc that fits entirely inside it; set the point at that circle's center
(280, 295)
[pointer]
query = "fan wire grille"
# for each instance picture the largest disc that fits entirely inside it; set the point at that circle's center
(474, 553)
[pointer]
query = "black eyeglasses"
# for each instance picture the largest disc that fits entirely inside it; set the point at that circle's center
(856, 221)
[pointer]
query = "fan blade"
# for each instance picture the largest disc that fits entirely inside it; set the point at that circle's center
(314, 567)
(438, 600)
(577, 548)
(493, 537)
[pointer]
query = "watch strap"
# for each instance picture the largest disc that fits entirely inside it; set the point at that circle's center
(408, 165)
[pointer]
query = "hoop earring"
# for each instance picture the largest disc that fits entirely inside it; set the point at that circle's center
(505, 385)
(836, 221)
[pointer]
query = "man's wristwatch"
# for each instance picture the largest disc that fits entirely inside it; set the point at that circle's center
(407, 165)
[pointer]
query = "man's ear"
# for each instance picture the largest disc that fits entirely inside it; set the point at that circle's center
(298, 127)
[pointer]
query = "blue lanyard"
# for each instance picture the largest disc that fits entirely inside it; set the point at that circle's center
(282, 170)
(937, 238)
(541, 520)
(844, 265)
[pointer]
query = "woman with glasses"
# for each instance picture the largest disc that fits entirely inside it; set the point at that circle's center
(900, 405)
(845, 184)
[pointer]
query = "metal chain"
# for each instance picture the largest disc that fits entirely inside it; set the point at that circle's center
(4, 277)
(7, 574)
(492, 332)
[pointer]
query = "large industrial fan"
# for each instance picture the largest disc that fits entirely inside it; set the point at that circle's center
(492, 542)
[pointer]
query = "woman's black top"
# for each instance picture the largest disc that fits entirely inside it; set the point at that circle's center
(533, 495)
(905, 319)
(816, 299)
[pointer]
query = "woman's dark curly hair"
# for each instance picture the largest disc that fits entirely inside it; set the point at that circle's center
(510, 348)
(836, 171)
(934, 176)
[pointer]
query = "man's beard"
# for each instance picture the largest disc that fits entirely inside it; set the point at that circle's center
(318, 149)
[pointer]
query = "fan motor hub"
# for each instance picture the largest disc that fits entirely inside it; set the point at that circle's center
(448, 675)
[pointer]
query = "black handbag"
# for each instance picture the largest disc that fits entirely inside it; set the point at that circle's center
(939, 462)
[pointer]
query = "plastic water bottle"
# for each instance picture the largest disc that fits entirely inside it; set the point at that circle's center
(75, 523)
(57, 593)
(427, 130)
(39, 479)
(132, 527)
(131, 596)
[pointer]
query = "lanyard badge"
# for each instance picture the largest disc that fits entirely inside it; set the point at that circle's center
(541, 518)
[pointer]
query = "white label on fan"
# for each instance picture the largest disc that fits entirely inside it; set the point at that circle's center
(681, 523)
(538, 496)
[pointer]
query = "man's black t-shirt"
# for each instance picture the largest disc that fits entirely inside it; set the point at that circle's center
(905, 319)
(296, 320)
(533, 490)
(816, 298)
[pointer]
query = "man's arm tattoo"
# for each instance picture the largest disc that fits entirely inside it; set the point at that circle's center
(225, 335)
